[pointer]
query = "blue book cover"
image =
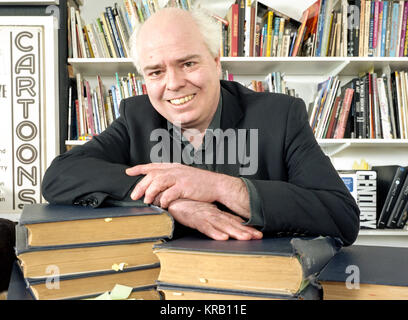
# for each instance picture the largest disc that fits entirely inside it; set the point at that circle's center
(371, 31)
(394, 29)
(115, 31)
(320, 28)
(384, 27)
(115, 103)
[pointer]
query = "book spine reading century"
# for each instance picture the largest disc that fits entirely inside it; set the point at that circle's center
(367, 107)
(366, 28)
(92, 110)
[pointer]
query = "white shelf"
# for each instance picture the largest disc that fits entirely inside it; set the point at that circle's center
(102, 66)
(332, 147)
(295, 66)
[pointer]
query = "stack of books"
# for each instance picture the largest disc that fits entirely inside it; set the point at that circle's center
(365, 28)
(367, 107)
(74, 252)
(271, 268)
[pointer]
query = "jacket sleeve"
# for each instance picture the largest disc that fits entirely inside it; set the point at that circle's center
(90, 173)
(314, 199)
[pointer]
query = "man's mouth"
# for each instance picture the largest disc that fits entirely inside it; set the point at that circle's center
(182, 100)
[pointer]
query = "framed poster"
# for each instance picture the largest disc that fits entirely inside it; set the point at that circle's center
(29, 130)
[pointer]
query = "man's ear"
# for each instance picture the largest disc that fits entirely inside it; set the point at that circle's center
(217, 60)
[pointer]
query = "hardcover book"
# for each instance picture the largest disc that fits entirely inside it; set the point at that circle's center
(271, 266)
(366, 273)
(53, 225)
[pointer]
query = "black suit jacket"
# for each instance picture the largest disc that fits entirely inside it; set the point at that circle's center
(300, 191)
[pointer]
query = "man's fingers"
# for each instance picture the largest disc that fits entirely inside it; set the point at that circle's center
(255, 234)
(146, 168)
(209, 230)
(169, 195)
(157, 186)
(141, 187)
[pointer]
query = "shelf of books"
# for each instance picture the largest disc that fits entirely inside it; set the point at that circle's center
(348, 60)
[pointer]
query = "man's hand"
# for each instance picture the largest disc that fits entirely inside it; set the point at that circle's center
(208, 219)
(171, 181)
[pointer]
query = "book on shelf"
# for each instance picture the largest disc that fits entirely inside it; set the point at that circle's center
(365, 28)
(362, 184)
(375, 107)
(279, 266)
(392, 195)
(111, 245)
(398, 215)
(366, 273)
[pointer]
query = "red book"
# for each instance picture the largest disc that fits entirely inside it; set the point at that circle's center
(234, 30)
(330, 130)
(301, 33)
(89, 109)
(341, 125)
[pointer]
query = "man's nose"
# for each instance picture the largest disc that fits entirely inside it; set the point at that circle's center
(175, 79)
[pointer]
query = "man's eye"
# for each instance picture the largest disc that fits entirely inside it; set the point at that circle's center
(155, 73)
(189, 64)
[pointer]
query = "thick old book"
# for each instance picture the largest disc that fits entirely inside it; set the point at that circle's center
(53, 225)
(272, 265)
(366, 273)
(174, 292)
(82, 259)
(144, 286)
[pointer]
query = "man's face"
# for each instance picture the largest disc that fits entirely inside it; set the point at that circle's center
(182, 77)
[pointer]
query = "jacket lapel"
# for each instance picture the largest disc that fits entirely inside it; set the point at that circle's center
(230, 116)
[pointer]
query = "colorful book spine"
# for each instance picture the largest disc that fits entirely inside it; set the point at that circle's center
(375, 27)
(341, 126)
(403, 30)
(115, 32)
(394, 30)
(384, 27)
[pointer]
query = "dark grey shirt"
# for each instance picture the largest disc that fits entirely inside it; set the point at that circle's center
(197, 158)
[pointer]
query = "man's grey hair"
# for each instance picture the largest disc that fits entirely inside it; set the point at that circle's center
(209, 27)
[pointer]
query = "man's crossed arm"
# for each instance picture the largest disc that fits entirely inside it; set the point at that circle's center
(189, 195)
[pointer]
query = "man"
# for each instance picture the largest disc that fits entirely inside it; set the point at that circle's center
(288, 186)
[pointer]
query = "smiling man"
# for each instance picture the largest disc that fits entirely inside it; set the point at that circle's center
(202, 130)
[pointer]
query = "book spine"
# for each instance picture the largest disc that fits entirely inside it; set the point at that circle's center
(74, 38)
(406, 40)
(403, 30)
(384, 27)
(356, 29)
(394, 30)
(280, 39)
(269, 34)
(80, 35)
(234, 30)
(367, 27)
(115, 32)
(320, 28)
(385, 115)
(403, 217)
(391, 198)
(379, 32)
(378, 129)
(341, 126)
(371, 30)
(375, 27)
(362, 31)
(275, 37)
(399, 206)
(332, 118)
(241, 28)
(300, 34)
(247, 29)
(89, 109)
(252, 33)
(92, 40)
(108, 32)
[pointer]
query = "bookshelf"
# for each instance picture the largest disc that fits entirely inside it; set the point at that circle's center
(301, 73)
